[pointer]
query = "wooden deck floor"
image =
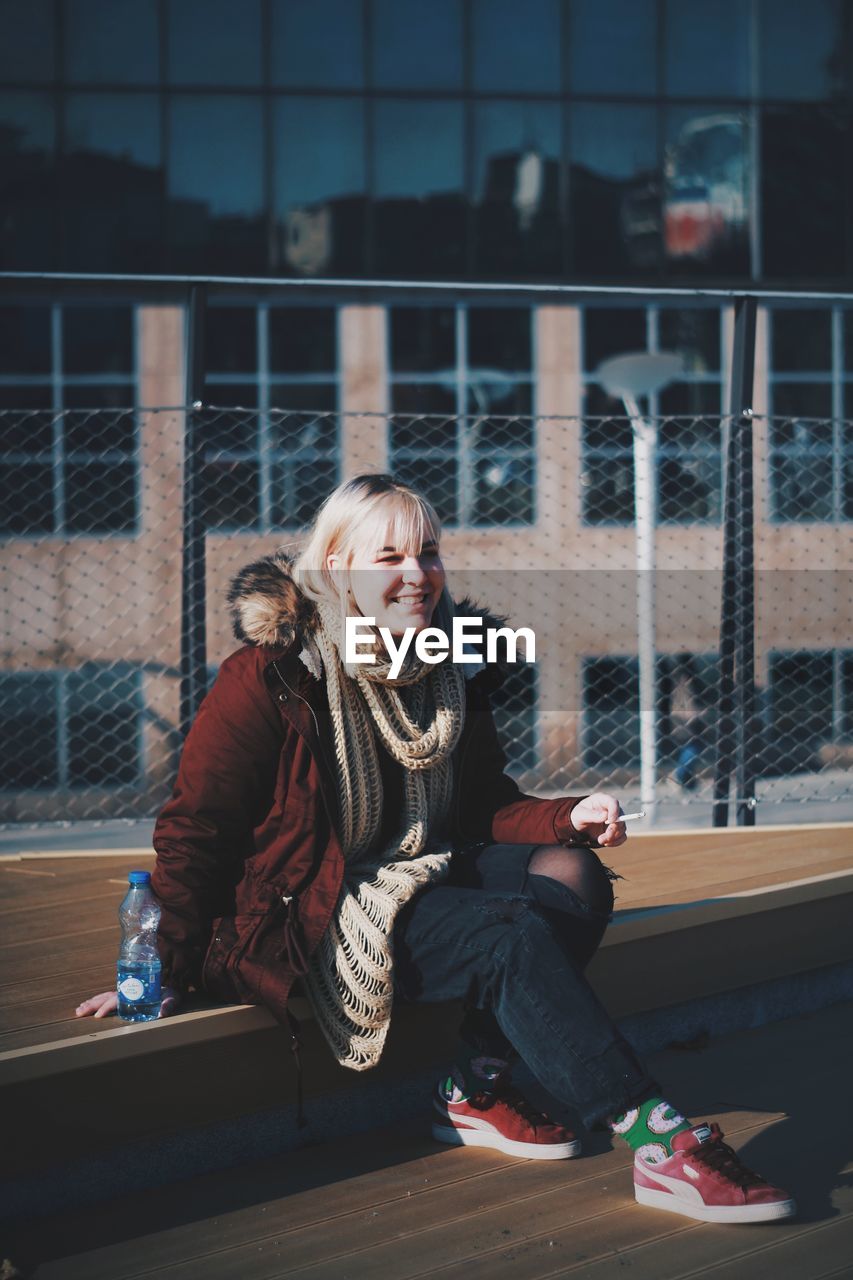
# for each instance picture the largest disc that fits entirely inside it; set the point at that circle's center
(59, 931)
(395, 1204)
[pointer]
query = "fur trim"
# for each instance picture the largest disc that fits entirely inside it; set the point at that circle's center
(269, 610)
(267, 607)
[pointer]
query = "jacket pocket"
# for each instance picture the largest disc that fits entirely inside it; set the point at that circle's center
(232, 935)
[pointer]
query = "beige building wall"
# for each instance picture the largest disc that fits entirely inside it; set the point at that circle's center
(117, 599)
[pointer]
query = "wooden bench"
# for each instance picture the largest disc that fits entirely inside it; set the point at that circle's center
(698, 914)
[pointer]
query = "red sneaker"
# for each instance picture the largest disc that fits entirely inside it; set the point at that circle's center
(705, 1179)
(504, 1120)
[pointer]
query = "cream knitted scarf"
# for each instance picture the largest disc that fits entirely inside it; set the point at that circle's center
(419, 718)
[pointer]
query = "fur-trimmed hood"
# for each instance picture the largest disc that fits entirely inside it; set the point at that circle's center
(269, 610)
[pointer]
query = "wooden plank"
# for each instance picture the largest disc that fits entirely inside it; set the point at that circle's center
(421, 1187)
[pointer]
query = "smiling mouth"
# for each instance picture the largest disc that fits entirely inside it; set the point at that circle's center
(412, 600)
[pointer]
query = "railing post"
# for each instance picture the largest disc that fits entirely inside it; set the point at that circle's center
(193, 575)
(737, 612)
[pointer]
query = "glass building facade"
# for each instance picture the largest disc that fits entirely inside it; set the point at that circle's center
(584, 140)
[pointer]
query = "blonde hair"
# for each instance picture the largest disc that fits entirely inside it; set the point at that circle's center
(361, 510)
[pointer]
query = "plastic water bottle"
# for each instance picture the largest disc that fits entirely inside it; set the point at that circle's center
(138, 980)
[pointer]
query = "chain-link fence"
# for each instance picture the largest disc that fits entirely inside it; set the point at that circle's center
(541, 517)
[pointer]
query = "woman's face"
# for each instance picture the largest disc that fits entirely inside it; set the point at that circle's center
(397, 587)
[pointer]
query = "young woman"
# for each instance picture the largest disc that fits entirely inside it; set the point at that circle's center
(356, 830)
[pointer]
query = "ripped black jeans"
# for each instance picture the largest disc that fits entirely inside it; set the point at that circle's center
(514, 947)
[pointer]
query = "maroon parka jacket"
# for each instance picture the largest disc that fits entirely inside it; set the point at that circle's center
(249, 863)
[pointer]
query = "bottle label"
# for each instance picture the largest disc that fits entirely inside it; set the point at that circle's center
(132, 989)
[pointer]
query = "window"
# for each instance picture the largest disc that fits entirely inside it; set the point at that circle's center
(68, 429)
(269, 463)
(689, 444)
(804, 212)
(518, 151)
(707, 47)
(73, 729)
(215, 179)
(462, 399)
(112, 189)
(810, 702)
(110, 41)
(801, 49)
(319, 168)
(811, 442)
(419, 187)
(214, 42)
(417, 46)
(613, 46)
(686, 690)
(514, 704)
(615, 190)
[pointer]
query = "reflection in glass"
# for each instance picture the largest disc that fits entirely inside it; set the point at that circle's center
(694, 333)
(215, 42)
(500, 338)
(26, 497)
(517, 148)
(317, 44)
(801, 341)
(230, 489)
(303, 339)
(29, 747)
(803, 191)
(615, 190)
(419, 184)
(611, 713)
(801, 49)
(299, 488)
(707, 47)
(231, 340)
(112, 181)
(611, 331)
(215, 178)
(417, 45)
(28, 47)
(436, 480)
(801, 709)
(516, 47)
(607, 476)
(426, 429)
(319, 184)
(706, 190)
(801, 460)
(25, 340)
(613, 46)
(689, 455)
(100, 497)
(104, 709)
(423, 339)
(97, 340)
(27, 182)
(503, 491)
(111, 41)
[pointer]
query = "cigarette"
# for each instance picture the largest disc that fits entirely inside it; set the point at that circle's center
(629, 817)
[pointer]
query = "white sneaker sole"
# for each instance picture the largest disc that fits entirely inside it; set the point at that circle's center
(670, 1203)
(483, 1138)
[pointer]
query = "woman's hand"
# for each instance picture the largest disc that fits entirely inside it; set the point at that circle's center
(596, 817)
(103, 1005)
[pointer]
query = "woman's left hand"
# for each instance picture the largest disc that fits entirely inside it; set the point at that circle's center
(596, 817)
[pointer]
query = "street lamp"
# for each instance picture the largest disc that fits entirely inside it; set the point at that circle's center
(628, 377)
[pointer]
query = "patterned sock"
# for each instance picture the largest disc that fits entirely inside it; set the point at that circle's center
(472, 1072)
(649, 1128)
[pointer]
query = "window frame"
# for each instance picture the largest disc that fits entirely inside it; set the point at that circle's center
(838, 379)
(265, 453)
(57, 380)
(464, 453)
(588, 379)
(63, 694)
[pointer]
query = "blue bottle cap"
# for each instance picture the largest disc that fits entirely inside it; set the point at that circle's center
(139, 877)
